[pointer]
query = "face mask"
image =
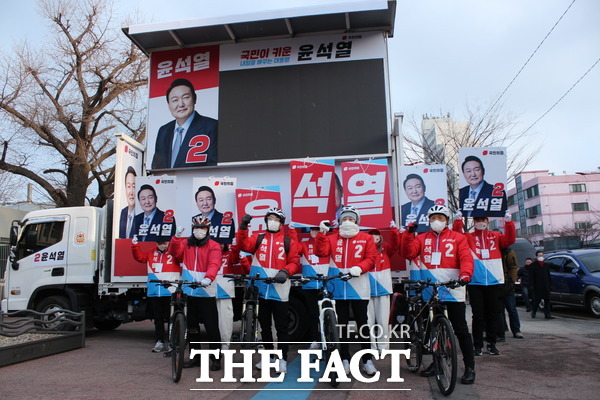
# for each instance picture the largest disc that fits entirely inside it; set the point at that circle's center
(540, 259)
(200, 233)
(437, 226)
(480, 226)
(348, 229)
(162, 247)
(273, 226)
(313, 233)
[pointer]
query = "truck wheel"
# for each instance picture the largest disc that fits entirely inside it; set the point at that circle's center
(54, 304)
(107, 324)
(298, 323)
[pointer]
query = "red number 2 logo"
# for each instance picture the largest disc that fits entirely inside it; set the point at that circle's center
(227, 218)
(199, 144)
(498, 189)
(168, 218)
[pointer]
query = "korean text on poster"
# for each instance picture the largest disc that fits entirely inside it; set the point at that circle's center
(313, 188)
(256, 202)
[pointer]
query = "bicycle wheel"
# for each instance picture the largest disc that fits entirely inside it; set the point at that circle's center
(444, 355)
(415, 342)
(332, 340)
(178, 344)
(248, 328)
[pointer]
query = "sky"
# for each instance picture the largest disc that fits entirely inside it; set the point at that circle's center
(446, 54)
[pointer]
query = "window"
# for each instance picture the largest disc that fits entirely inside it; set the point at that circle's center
(534, 211)
(36, 237)
(535, 229)
(583, 225)
(554, 263)
(532, 192)
(516, 216)
(580, 206)
(577, 188)
(511, 200)
(569, 266)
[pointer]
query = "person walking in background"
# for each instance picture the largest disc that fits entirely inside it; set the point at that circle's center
(523, 274)
(541, 285)
(507, 297)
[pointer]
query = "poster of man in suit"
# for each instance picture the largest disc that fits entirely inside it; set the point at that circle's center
(482, 181)
(151, 221)
(183, 108)
(423, 186)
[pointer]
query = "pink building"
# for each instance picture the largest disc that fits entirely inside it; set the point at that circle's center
(542, 202)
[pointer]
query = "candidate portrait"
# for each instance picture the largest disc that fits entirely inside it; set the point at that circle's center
(480, 198)
(190, 140)
(418, 205)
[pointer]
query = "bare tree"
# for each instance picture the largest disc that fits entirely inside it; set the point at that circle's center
(61, 103)
(587, 233)
(481, 127)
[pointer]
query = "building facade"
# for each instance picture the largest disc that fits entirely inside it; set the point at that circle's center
(542, 204)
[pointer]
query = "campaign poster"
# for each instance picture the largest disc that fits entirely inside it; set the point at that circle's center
(482, 181)
(154, 221)
(128, 166)
(367, 187)
(423, 186)
(183, 108)
(313, 189)
(256, 202)
(214, 198)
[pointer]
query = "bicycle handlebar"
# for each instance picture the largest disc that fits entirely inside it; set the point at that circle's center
(420, 284)
(242, 278)
(166, 284)
(322, 278)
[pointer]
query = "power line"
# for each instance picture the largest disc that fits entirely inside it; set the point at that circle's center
(562, 97)
(529, 59)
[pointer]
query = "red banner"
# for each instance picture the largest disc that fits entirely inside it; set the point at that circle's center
(256, 202)
(199, 65)
(313, 192)
(367, 187)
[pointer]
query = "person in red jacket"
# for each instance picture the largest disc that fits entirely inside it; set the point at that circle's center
(380, 279)
(488, 276)
(354, 252)
(275, 256)
(201, 259)
(161, 266)
(444, 255)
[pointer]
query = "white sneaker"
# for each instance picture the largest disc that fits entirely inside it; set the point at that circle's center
(368, 368)
(346, 365)
(158, 347)
(282, 368)
(258, 365)
(314, 345)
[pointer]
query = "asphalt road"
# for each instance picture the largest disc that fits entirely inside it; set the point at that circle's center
(558, 359)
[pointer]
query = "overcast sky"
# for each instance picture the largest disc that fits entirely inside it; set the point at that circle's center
(449, 53)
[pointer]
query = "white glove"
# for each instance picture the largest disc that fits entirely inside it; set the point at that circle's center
(205, 282)
(179, 231)
(323, 226)
(392, 224)
(458, 215)
(134, 240)
(355, 271)
(291, 225)
(508, 216)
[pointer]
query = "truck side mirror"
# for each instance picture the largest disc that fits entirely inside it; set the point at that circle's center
(14, 233)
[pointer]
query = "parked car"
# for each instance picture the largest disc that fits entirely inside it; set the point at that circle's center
(575, 278)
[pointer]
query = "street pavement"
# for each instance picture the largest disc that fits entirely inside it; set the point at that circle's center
(558, 359)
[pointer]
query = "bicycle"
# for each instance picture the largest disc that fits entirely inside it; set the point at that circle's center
(249, 337)
(177, 324)
(330, 341)
(430, 332)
